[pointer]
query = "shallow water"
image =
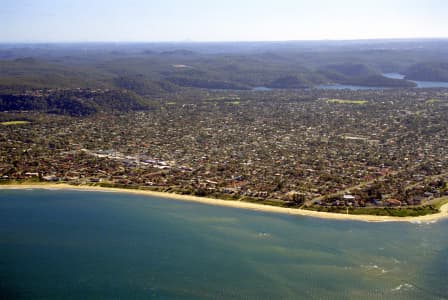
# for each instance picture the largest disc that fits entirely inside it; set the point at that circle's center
(89, 245)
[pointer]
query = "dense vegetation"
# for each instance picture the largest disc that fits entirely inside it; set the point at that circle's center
(142, 86)
(74, 102)
(134, 75)
(206, 83)
(246, 64)
(432, 71)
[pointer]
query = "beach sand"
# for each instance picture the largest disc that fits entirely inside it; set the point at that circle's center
(239, 204)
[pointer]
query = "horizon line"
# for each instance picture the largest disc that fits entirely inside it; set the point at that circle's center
(223, 41)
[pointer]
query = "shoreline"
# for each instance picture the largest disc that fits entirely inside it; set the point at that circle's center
(235, 204)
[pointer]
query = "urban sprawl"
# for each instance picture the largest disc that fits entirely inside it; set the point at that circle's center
(308, 148)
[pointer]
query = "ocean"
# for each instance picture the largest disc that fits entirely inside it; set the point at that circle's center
(63, 244)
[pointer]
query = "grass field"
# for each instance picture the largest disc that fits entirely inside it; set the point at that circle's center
(340, 101)
(381, 211)
(10, 123)
(438, 203)
(432, 101)
(224, 98)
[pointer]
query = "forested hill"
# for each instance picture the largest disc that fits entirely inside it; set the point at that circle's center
(73, 102)
(133, 75)
(429, 71)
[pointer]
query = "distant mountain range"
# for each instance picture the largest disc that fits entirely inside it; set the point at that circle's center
(148, 71)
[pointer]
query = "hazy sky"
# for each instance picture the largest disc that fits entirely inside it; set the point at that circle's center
(222, 20)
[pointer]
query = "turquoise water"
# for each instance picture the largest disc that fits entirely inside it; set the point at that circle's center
(85, 245)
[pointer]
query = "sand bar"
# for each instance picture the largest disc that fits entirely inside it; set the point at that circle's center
(239, 204)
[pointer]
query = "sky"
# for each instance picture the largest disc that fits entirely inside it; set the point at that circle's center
(222, 20)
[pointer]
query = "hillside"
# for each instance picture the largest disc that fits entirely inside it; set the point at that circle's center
(351, 69)
(142, 86)
(141, 73)
(432, 71)
(74, 102)
(290, 82)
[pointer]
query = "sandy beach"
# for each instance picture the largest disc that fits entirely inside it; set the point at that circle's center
(239, 204)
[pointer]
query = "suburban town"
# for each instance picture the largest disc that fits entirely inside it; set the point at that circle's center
(316, 149)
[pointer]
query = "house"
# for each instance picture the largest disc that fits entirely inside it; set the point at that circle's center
(51, 178)
(32, 174)
(392, 202)
(429, 195)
